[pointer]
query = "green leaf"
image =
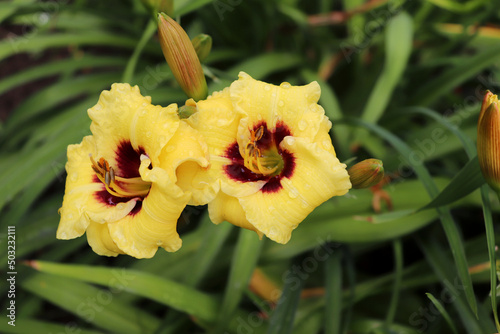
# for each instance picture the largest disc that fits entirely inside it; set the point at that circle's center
(213, 240)
(27, 325)
(454, 76)
(282, 319)
(490, 238)
(243, 264)
(58, 67)
(443, 311)
(398, 275)
(399, 37)
(451, 230)
(442, 267)
(100, 307)
(56, 94)
(466, 181)
(184, 7)
(333, 293)
(167, 292)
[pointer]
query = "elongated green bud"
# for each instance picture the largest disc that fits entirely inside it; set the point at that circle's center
(202, 45)
(181, 57)
(366, 173)
(488, 140)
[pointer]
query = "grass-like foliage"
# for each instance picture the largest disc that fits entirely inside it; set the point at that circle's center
(402, 81)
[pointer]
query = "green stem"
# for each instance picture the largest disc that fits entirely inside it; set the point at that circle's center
(398, 274)
(132, 62)
(490, 237)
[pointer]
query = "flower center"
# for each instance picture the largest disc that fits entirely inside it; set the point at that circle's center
(262, 161)
(119, 186)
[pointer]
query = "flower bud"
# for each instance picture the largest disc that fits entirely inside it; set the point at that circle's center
(202, 45)
(181, 57)
(366, 173)
(156, 6)
(488, 140)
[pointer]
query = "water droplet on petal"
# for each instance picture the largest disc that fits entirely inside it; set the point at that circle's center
(159, 243)
(267, 88)
(69, 216)
(120, 206)
(154, 178)
(170, 148)
(302, 125)
(292, 194)
(74, 177)
(281, 103)
(63, 235)
(290, 140)
(285, 85)
(221, 122)
(326, 143)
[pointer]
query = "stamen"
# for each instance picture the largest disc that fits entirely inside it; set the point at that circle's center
(116, 185)
(269, 164)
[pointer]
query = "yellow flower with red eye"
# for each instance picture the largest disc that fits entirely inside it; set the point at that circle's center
(272, 159)
(125, 182)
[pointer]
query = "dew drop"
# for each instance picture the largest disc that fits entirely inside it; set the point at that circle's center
(281, 103)
(162, 139)
(64, 235)
(326, 143)
(307, 186)
(267, 88)
(292, 194)
(290, 140)
(97, 107)
(285, 85)
(149, 134)
(69, 216)
(170, 148)
(74, 177)
(271, 208)
(142, 112)
(159, 243)
(221, 122)
(154, 178)
(302, 125)
(120, 206)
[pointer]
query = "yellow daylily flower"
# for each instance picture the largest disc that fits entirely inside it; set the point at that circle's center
(272, 159)
(123, 186)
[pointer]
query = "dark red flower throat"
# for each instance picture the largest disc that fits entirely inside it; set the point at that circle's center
(263, 159)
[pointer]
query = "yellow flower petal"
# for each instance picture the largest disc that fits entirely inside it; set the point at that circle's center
(80, 205)
(184, 158)
(318, 175)
(125, 195)
(228, 208)
(99, 239)
(155, 224)
(295, 106)
(218, 123)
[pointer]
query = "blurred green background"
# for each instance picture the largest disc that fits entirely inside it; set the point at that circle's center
(402, 81)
